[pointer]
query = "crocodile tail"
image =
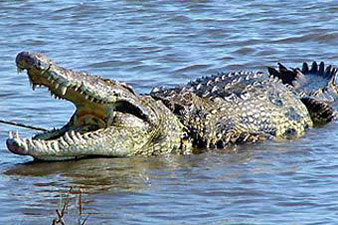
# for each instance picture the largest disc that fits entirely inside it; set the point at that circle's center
(287, 76)
(320, 112)
(317, 81)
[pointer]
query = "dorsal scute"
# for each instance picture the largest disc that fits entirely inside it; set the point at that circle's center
(214, 86)
(317, 81)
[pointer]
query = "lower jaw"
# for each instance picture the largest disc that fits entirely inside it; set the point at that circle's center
(14, 148)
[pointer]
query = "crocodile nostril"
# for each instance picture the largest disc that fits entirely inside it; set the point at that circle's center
(26, 59)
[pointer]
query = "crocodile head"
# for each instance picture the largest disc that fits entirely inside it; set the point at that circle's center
(109, 118)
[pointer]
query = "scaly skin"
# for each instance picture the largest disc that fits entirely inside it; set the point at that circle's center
(316, 86)
(235, 108)
(111, 120)
(319, 82)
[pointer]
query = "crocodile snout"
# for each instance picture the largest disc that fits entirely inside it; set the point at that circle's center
(26, 60)
(15, 147)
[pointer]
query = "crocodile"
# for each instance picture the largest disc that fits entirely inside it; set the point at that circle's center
(226, 109)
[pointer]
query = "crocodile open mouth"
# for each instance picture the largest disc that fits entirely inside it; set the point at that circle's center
(86, 123)
(97, 101)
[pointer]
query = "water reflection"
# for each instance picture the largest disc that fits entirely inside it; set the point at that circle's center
(118, 174)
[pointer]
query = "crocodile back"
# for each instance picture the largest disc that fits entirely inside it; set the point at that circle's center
(236, 107)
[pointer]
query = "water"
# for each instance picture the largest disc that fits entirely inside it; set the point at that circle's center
(151, 43)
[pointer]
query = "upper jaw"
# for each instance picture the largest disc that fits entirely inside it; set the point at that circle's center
(61, 83)
(26, 60)
(42, 71)
(79, 88)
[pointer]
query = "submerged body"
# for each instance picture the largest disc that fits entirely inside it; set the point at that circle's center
(213, 112)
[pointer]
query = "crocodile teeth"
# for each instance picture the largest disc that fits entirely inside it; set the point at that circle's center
(10, 135)
(68, 138)
(55, 146)
(63, 90)
(72, 133)
(86, 136)
(92, 99)
(24, 144)
(56, 85)
(30, 142)
(78, 136)
(49, 145)
(63, 142)
(39, 145)
(17, 135)
(76, 88)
